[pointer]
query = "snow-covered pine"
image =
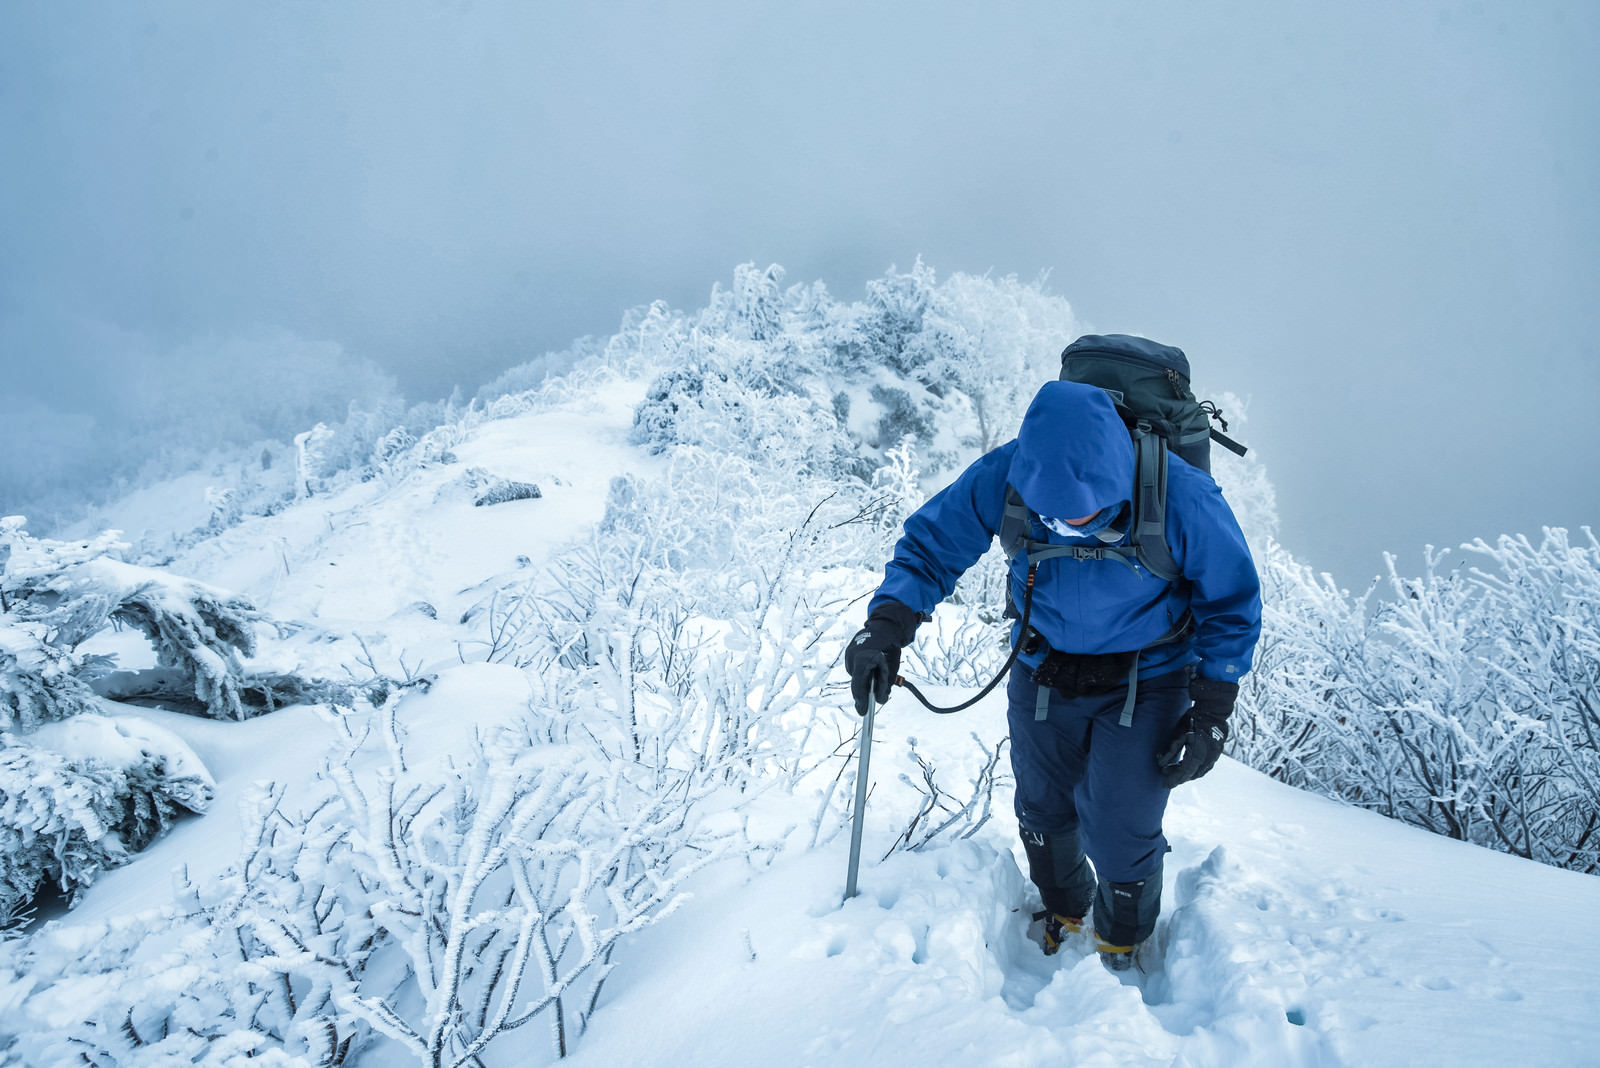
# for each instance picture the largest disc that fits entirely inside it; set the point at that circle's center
(78, 795)
(201, 631)
(38, 682)
(84, 799)
(213, 978)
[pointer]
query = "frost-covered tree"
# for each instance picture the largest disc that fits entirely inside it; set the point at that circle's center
(895, 306)
(310, 448)
(992, 342)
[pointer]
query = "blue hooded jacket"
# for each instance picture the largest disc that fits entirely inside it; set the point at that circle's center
(1072, 458)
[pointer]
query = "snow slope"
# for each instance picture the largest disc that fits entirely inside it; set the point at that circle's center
(1295, 931)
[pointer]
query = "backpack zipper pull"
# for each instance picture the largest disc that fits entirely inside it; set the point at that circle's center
(1214, 412)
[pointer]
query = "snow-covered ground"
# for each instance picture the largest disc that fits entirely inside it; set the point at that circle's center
(1295, 931)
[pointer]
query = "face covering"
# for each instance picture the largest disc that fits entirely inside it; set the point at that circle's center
(1098, 526)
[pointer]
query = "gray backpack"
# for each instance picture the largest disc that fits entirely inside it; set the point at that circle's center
(1149, 382)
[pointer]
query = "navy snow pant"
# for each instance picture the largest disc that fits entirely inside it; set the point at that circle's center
(1088, 790)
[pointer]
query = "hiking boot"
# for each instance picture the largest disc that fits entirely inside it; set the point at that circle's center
(1116, 958)
(1056, 929)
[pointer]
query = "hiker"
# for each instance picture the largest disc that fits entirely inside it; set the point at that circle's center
(1129, 678)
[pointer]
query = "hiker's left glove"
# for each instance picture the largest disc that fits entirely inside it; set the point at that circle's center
(1195, 745)
(873, 656)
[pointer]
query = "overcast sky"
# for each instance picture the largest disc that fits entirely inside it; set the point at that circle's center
(1377, 219)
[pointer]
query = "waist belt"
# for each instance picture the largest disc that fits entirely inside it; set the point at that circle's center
(1084, 674)
(1093, 674)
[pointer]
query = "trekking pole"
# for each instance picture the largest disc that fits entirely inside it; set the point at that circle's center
(861, 797)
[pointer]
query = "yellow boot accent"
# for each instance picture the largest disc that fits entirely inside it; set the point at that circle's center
(1116, 958)
(1056, 929)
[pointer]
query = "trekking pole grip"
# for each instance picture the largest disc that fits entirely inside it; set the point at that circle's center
(864, 757)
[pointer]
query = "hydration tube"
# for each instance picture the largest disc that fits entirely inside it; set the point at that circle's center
(1022, 630)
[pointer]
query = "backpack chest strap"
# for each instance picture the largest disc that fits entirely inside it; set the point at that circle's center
(1039, 551)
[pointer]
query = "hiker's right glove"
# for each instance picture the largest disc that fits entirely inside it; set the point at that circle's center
(873, 656)
(1195, 745)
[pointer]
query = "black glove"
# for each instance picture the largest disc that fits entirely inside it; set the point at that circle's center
(873, 656)
(1197, 742)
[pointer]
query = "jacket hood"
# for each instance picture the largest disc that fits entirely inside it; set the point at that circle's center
(1074, 456)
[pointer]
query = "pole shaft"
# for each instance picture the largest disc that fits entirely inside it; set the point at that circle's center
(865, 751)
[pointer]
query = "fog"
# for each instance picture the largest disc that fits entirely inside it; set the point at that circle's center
(1376, 221)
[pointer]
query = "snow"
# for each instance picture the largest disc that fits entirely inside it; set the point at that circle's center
(372, 550)
(1295, 930)
(285, 748)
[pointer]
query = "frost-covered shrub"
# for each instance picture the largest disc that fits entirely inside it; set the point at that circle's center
(650, 337)
(723, 517)
(429, 908)
(1463, 703)
(950, 810)
(752, 308)
(1543, 661)
(719, 407)
(501, 491)
(382, 441)
(203, 982)
(535, 374)
(992, 342)
(354, 439)
(686, 406)
(391, 451)
(533, 858)
(66, 816)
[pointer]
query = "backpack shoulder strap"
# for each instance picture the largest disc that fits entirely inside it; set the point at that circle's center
(1150, 505)
(1014, 523)
(1149, 519)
